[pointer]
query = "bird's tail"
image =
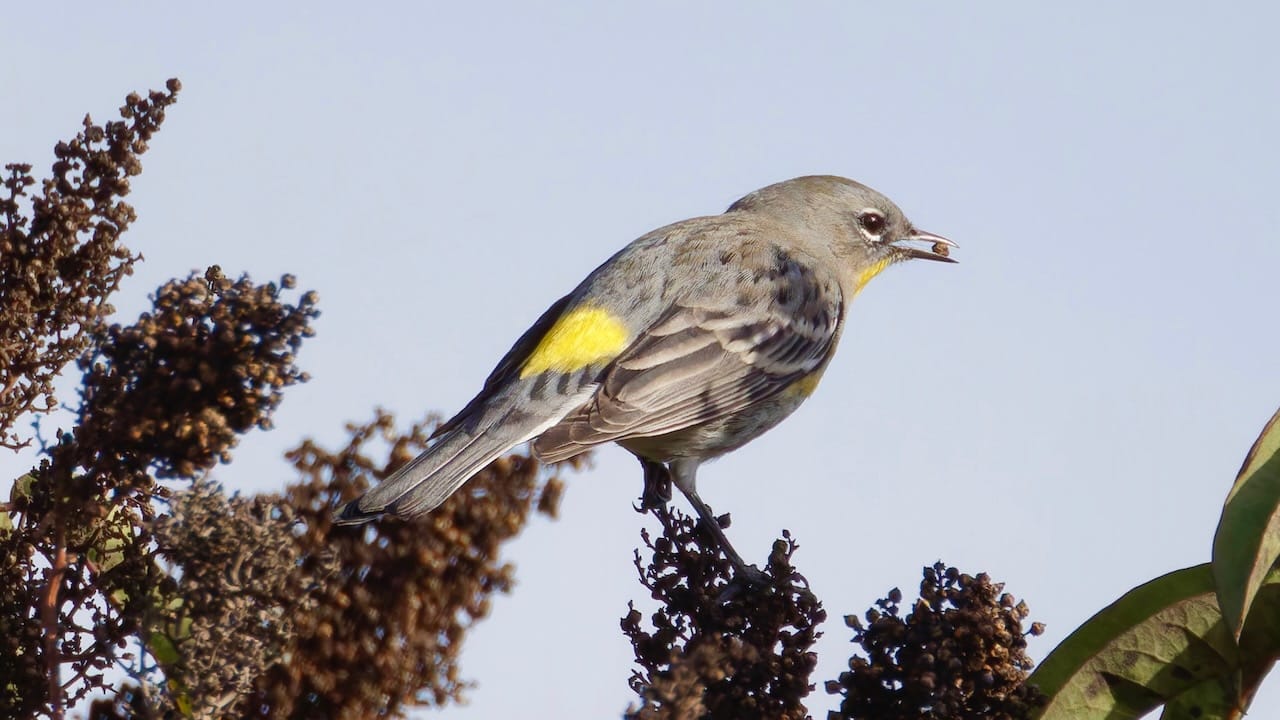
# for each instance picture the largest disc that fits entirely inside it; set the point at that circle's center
(428, 480)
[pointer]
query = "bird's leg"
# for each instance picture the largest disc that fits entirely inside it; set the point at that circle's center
(684, 477)
(657, 485)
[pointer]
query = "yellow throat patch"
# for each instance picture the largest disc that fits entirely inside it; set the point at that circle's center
(581, 337)
(865, 276)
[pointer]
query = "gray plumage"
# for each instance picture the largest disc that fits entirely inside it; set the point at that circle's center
(686, 344)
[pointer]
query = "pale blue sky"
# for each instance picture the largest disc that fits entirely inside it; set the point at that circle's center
(1065, 409)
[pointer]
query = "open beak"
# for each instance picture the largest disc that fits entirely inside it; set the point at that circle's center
(939, 247)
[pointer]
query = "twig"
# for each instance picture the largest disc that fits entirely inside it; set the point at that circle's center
(49, 621)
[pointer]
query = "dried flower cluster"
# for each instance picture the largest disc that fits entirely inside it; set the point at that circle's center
(959, 654)
(70, 559)
(720, 648)
(240, 588)
(224, 612)
(277, 614)
(22, 693)
(214, 606)
(61, 258)
(219, 352)
(163, 396)
(386, 630)
(83, 532)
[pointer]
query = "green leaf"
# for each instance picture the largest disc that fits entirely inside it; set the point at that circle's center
(1213, 699)
(183, 700)
(1247, 541)
(1260, 641)
(110, 538)
(22, 488)
(1227, 697)
(1156, 642)
(163, 649)
(179, 626)
(1263, 448)
(167, 656)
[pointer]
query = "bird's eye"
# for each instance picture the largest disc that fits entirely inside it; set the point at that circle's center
(871, 221)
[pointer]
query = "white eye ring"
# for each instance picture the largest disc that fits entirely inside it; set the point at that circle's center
(872, 221)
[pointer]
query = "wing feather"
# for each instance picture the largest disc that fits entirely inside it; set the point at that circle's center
(701, 363)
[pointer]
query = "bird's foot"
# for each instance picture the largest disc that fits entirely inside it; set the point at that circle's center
(751, 575)
(746, 579)
(657, 486)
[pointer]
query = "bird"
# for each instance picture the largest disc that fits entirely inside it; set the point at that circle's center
(685, 345)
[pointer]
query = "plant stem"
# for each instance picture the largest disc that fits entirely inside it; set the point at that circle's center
(49, 621)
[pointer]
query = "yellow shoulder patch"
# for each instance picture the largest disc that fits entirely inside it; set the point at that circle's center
(581, 337)
(865, 276)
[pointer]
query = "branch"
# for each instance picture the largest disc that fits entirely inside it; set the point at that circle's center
(49, 622)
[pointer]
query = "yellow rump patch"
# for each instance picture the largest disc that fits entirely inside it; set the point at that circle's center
(581, 337)
(865, 276)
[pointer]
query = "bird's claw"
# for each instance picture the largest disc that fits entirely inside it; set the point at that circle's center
(657, 487)
(746, 578)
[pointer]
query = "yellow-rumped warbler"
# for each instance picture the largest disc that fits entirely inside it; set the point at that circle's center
(687, 344)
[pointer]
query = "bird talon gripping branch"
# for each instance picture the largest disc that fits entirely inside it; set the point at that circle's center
(687, 344)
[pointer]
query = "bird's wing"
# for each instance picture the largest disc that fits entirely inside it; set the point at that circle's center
(709, 360)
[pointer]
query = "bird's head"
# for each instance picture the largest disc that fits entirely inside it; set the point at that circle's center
(863, 229)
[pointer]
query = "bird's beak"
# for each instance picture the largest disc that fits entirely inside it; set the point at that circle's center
(938, 246)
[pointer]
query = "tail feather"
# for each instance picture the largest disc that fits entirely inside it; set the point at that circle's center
(427, 481)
